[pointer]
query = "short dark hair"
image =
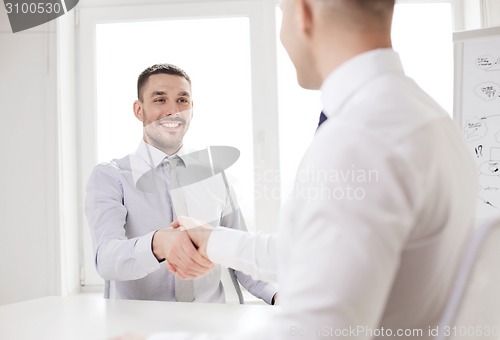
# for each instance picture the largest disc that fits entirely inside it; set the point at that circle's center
(375, 7)
(369, 6)
(347, 8)
(159, 69)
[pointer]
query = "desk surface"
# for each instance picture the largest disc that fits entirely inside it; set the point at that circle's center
(84, 317)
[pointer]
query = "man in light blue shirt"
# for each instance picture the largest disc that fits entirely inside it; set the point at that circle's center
(130, 204)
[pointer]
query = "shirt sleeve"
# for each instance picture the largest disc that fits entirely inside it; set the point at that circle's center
(117, 257)
(340, 241)
(253, 254)
(342, 236)
(233, 218)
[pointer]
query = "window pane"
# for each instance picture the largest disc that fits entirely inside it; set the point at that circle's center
(422, 34)
(216, 55)
(299, 111)
(426, 52)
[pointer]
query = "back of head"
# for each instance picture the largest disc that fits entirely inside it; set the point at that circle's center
(320, 35)
(359, 14)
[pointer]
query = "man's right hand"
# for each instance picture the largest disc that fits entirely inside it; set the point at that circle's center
(198, 231)
(183, 259)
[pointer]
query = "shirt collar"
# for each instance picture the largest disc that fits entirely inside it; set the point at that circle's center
(154, 157)
(350, 77)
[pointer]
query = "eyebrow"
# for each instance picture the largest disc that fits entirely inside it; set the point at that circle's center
(162, 93)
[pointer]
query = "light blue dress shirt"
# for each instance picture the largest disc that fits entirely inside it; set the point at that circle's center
(128, 200)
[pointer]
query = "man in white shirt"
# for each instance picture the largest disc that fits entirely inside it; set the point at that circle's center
(131, 202)
(370, 240)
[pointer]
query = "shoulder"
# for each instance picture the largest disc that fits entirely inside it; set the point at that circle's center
(109, 171)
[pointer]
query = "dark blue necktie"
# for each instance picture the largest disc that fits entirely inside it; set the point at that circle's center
(322, 119)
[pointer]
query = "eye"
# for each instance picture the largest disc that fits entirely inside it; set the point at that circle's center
(159, 100)
(183, 100)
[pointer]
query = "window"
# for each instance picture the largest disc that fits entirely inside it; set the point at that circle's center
(221, 86)
(219, 47)
(422, 34)
(243, 86)
(299, 111)
(426, 52)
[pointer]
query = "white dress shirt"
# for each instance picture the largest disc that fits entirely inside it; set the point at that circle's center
(128, 200)
(384, 202)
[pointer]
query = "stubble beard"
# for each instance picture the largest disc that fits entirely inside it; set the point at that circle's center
(167, 142)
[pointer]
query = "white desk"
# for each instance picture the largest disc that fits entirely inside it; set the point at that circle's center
(84, 317)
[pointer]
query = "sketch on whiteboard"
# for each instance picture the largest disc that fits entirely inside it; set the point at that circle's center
(477, 109)
(488, 189)
(488, 63)
(488, 91)
(483, 134)
(475, 129)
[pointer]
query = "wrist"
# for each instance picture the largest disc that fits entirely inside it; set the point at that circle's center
(202, 247)
(156, 247)
(274, 300)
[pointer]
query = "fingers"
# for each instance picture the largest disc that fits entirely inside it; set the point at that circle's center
(184, 259)
(194, 258)
(187, 223)
(185, 248)
(198, 232)
(190, 263)
(171, 268)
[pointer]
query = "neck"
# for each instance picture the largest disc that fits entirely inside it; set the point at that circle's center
(337, 49)
(167, 149)
(172, 151)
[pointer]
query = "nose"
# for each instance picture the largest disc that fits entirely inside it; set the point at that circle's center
(172, 109)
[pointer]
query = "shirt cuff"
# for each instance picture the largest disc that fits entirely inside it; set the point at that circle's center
(144, 254)
(268, 292)
(223, 245)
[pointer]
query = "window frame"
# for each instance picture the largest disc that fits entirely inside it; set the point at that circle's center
(264, 90)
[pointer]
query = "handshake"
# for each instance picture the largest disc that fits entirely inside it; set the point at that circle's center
(184, 247)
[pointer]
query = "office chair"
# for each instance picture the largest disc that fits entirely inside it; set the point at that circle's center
(473, 308)
(107, 289)
(231, 286)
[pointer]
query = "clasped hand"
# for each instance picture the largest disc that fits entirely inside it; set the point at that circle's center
(183, 247)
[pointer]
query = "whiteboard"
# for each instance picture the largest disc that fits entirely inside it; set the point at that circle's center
(477, 108)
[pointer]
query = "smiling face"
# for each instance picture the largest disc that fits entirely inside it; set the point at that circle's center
(165, 111)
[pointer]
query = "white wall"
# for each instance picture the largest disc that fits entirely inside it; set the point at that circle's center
(28, 174)
(479, 14)
(492, 13)
(471, 15)
(39, 200)
(69, 203)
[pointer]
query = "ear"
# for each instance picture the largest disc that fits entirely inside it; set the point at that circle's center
(138, 110)
(305, 16)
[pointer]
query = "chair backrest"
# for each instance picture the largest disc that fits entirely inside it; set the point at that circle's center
(473, 309)
(232, 288)
(107, 289)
